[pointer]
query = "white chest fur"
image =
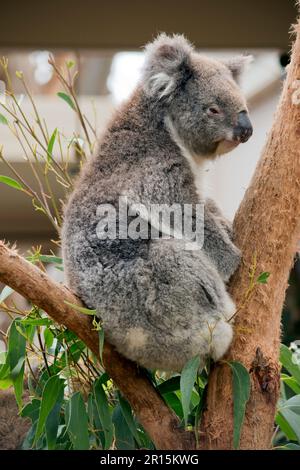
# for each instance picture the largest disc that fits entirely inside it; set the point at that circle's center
(199, 165)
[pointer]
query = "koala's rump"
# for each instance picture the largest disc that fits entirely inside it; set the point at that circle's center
(149, 301)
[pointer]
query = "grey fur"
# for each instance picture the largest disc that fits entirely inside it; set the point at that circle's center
(160, 304)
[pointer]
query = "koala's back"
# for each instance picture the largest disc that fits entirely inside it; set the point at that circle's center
(133, 160)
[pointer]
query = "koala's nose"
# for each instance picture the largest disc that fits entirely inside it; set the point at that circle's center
(243, 129)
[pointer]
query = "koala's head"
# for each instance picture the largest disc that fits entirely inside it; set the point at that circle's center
(205, 108)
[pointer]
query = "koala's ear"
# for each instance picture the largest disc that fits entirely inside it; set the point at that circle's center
(237, 65)
(167, 63)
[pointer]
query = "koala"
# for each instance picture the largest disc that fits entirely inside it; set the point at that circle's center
(160, 303)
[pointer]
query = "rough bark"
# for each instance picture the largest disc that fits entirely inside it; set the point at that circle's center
(158, 420)
(266, 225)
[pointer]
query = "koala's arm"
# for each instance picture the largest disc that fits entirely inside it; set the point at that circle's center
(218, 243)
(212, 207)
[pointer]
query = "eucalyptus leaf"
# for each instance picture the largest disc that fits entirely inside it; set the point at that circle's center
(3, 120)
(78, 423)
(51, 145)
(52, 422)
(11, 182)
(16, 349)
(84, 310)
(67, 99)
(124, 438)
(187, 381)
(104, 413)
(51, 393)
(127, 413)
(170, 385)
(241, 393)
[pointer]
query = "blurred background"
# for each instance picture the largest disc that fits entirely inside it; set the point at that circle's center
(105, 41)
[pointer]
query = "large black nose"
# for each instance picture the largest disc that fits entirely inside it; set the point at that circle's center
(243, 129)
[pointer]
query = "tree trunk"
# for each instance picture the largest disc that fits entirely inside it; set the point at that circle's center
(267, 226)
(159, 421)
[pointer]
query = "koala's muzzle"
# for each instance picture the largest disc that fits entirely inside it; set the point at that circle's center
(243, 129)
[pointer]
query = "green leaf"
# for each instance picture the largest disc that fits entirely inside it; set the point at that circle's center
(6, 292)
(16, 350)
(291, 382)
(44, 258)
(36, 321)
(95, 421)
(286, 359)
(104, 413)
(104, 378)
(3, 120)
(5, 383)
(241, 394)
(84, 310)
(127, 413)
(287, 424)
(292, 404)
(285, 427)
(289, 446)
(77, 427)
(124, 438)
(171, 385)
(4, 371)
(31, 410)
(50, 395)
(11, 182)
(51, 145)
(18, 382)
(263, 278)
(67, 99)
(289, 411)
(48, 337)
(28, 442)
(174, 403)
(187, 381)
(52, 422)
(15, 360)
(50, 259)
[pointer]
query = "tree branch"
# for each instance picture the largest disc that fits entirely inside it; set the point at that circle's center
(158, 420)
(267, 224)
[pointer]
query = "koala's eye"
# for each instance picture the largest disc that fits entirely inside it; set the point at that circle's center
(213, 110)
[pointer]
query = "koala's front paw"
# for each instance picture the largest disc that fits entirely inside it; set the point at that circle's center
(233, 262)
(228, 260)
(226, 224)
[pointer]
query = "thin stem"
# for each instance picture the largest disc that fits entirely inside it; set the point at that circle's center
(43, 351)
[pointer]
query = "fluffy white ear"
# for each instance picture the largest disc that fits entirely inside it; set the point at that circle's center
(237, 65)
(167, 64)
